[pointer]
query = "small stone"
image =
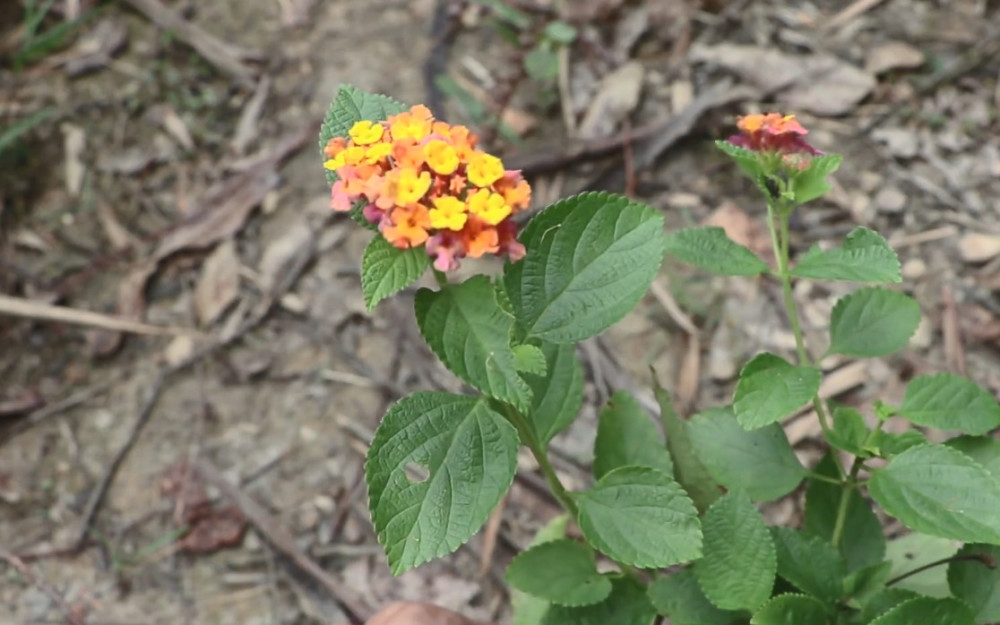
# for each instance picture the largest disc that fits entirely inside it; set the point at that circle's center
(325, 504)
(914, 268)
(893, 55)
(890, 200)
(901, 142)
(978, 248)
(293, 303)
(870, 180)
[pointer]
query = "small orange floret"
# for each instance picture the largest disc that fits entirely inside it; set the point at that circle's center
(425, 183)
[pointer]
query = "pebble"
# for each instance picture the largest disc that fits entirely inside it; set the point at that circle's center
(978, 248)
(903, 143)
(890, 200)
(914, 268)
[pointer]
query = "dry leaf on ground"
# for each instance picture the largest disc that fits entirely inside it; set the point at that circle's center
(616, 98)
(893, 55)
(218, 283)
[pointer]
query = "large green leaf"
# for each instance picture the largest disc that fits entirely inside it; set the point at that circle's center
(640, 517)
(811, 183)
(438, 465)
(350, 106)
(470, 334)
(849, 431)
(872, 322)
(913, 551)
(792, 609)
(940, 491)
(950, 402)
(928, 611)
(760, 462)
(711, 249)
(748, 161)
(739, 563)
(864, 257)
(867, 543)
(982, 449)
(590, 259)
(627, 605)
(563, 572)
(976, 583)
(809, 563)
(678, 596)
(688, 468)
(883, 601)
(771, 389)
(627, 437)
(386, 269)
(558, 395)
(530, 610)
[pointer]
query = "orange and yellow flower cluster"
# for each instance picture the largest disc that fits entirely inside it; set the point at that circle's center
(772, 132)
(425, 183)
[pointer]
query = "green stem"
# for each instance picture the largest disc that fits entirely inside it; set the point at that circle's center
(849, 485)
(441, 278)
(542, 456)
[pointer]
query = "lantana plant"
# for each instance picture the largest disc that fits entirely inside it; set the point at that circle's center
(672, 512)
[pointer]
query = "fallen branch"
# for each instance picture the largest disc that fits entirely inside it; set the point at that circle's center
(18, 307)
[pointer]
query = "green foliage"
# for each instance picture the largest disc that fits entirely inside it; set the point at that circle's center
(558, 395)
(866, 582)
(386, 270)
(712, 250)
(791, 609)
(351, 106)
(982, 449)
(679, 597)
(927, 611)
(940, 491)
(626, 605)
(528, 609)
(771, 389)
(866, 545)
(912, 551)
(563, 572)
(864, 257)
(883, 601)
(950, 402)
(811, 182)
(739, 563)
(887, 444)
(10, 133)
(590, 259)
(530, 359)
(420, 517)
(470, 334)
(849, 431)
(872, 322)
(688, 467)
(747, 161)
(627, 437)
(976, 582)
(809, 563)
(640, 517)
(759, 462)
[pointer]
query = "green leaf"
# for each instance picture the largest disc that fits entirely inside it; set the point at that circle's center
(977, 584)
(760, 462)
(559, 31)
(888, 444)
(913, 551)
(867, 543)
(640, 517)
(710, 249)
(940, 491)
(564, 572)
(811, 183)
(541, 63)
(883, 601)
(849, 431)
(556, 397)
(739, 563)
(688, 468)
(809, 563)
(463, 325)
(747, 161)
(350, 106)
(679, 597)
(872, 322)
(627, 437)
(386, 269)
(864, 257)
(771, 389)
(529, 610)
(530, 359)
(590, 259)
(792, 609)
(469, 455)
(927, 611)
(627, 605)
(950, 402)
(866, 582)
(982, 449)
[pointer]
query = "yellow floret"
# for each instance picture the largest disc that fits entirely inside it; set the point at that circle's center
(365, 132)
(378, 152)
(484, 169)
(448, 214)
(441, 157)
(412, 186)
(488, 206)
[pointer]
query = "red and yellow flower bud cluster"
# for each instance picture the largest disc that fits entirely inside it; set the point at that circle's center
(425, 183)
(772, 132)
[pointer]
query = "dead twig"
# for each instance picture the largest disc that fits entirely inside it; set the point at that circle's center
(71, 616)
(271, 530)
(37, 416)
(954, 351)
(18, 307)
(224, 56)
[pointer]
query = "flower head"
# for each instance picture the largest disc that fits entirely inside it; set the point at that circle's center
(772, 132)
(424, 183)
